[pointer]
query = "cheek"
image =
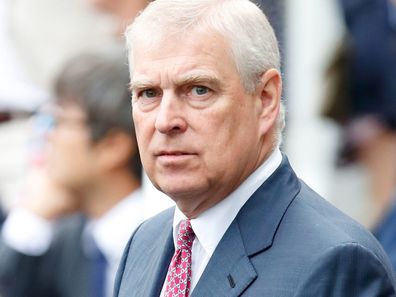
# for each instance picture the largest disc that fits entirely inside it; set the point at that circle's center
(139, 122)
(229, 136)
(144, 123)
(69, 151)
(142, 141)
(221, 130)
(216, 139)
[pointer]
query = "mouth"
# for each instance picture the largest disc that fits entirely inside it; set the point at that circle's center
(174, 157)
(173, 153)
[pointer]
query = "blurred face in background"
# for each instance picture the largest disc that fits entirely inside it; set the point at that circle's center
(71, 153)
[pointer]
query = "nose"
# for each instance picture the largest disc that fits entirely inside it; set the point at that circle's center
(171, 118)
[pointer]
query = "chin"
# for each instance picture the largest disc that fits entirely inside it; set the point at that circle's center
(172, 190)
(181, 189)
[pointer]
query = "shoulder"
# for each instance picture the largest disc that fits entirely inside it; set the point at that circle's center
(316, 248)
(153, 227)
(68, 233)
(348, 269)
(319, 228)
(150, 231)
(146, 243)
(321, 222)
(320, 216)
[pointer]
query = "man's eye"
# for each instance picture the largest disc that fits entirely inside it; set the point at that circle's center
(199, 91)
(148, 94)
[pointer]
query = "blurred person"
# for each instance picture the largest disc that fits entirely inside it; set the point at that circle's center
(363, 101)
(206, 98)
(66, 238)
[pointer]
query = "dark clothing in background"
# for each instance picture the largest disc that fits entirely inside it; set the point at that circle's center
(49, 275)
(371, 25)
(361, 77)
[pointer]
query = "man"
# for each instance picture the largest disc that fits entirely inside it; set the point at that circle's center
(93, 168)
(207, 111)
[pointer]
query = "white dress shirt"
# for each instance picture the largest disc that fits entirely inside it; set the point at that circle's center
(210, 226)
(32, 235)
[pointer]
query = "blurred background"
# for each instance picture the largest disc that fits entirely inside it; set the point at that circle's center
(38, 36)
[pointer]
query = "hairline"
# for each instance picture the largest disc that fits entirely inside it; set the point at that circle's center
(249, 76)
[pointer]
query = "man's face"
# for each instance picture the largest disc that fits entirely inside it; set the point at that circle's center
(198, 130)
(71, 157)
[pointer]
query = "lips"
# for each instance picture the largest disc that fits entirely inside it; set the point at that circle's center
(174, 157)
(173, 153)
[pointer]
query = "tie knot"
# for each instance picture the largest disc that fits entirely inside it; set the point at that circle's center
(185, 235)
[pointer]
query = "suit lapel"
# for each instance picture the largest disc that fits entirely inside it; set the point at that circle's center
(157, 266)
(260, 217)
(230, 271)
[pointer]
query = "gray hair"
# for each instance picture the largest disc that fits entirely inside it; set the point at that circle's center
(253, 44)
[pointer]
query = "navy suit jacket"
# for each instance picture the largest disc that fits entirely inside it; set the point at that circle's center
(64, 271)
(285, 241)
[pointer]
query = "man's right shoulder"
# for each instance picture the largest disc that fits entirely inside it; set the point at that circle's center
(144, 251)
(151, 229)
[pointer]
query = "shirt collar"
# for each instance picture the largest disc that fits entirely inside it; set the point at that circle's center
(210, 226)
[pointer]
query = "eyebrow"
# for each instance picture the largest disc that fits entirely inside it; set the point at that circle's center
(140, 84)
(188, 79)
(192, 79)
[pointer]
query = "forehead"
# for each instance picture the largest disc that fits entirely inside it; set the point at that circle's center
(197, 53)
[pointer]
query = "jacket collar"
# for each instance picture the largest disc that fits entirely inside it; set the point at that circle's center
(157, 267)
(261, 215)
(230, 271)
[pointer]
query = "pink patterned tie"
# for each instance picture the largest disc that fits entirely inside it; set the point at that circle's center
(178, 279)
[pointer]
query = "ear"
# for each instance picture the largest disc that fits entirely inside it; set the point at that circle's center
(115, 150)
(269, 93)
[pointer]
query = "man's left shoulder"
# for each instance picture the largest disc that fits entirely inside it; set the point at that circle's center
(331, 252)
(316, 225)
(322, 217)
